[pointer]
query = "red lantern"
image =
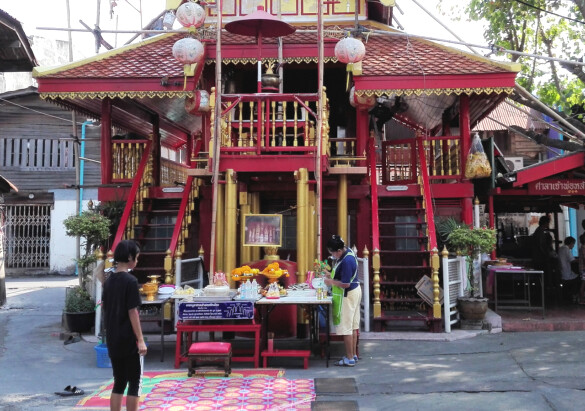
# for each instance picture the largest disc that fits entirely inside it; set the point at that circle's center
(350, 50)
(191, 15)
(198, 103)
(361, 102)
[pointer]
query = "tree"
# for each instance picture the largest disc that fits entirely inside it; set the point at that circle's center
(94, 228)
(553, 28)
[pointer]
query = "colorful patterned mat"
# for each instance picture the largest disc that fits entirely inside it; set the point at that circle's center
(254, 389)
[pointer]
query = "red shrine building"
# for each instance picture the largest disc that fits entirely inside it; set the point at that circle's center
(272, 144)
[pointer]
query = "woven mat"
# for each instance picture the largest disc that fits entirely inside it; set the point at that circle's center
(153, 380)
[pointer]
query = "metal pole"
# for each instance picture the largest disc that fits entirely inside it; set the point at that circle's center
(319, 133)
(216, 141)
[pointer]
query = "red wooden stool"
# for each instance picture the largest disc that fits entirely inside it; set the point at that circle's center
(210, 352)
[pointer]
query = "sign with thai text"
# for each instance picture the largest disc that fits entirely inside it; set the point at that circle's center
(557, 187)
(224, 310)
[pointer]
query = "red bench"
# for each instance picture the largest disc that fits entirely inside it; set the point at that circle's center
(286, 353)
(210, 352)
(182, 327)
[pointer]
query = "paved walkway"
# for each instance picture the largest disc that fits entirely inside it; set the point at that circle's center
(503, 371)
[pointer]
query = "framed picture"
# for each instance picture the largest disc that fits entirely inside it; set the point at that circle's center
(262, 230)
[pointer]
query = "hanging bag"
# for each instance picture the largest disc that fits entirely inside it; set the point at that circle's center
(477, 165)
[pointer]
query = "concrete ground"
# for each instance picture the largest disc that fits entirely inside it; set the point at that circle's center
(402, 371)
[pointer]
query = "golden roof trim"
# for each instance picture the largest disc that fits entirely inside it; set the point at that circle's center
(254, 60)
(437, 91)
(115, 94)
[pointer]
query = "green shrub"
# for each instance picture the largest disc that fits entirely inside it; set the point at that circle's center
(78, 300)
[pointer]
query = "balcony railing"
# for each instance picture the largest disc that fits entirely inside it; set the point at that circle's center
(269, 124)
(442, 157)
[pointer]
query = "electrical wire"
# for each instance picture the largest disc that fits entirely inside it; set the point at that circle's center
(36, 111)
(548, 12)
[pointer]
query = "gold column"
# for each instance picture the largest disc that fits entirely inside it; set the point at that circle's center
(376, 282)
(231, 215)
(435, 269)
(255, 208)
(220, 229)
(301, 177)
(312, 230)
(342, 207)
(245, 252)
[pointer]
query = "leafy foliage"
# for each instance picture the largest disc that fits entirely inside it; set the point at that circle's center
(534, 27)
(94, 228)
(470, 240)
(78, 300)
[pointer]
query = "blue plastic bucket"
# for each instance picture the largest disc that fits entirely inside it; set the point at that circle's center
(103, 360)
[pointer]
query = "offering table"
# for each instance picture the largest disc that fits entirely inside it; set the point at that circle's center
(216, 316)
(304, 298)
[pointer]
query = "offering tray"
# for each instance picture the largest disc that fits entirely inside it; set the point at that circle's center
(206, 298)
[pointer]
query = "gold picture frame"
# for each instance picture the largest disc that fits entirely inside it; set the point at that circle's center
(262, 230)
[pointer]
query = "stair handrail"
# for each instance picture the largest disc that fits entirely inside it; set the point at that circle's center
(425, 187)
(178, 231)
(139, 186)
(431, 232)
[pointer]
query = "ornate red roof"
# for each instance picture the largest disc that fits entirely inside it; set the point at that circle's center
(386, 55)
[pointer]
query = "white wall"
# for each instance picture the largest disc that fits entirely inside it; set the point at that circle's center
(63, 249)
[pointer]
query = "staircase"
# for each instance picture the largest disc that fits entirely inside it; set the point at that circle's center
(404, 260)
(154, 232)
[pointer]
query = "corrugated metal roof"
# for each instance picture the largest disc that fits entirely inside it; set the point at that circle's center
(506, 115)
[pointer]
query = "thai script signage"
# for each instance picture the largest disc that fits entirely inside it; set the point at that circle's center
(557, 187)
(224, 310)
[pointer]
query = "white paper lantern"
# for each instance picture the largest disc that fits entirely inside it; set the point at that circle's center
(188, 50)
(198, 103)
(191, 15)
(350, 50)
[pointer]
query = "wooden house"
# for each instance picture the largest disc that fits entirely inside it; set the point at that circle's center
(39, 153)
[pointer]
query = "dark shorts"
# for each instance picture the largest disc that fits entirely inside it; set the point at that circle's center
(127, 372)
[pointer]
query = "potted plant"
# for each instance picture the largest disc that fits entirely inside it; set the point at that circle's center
(472, 242)
(94, 228)
(79, 309)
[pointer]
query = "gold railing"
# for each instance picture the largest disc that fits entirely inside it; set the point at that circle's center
(126, 155)
(442, 157)
(181, 230)
(139, 191)
(264, 123)
(172, 172)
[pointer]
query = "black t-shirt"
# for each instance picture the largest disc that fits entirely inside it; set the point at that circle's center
(120, 295)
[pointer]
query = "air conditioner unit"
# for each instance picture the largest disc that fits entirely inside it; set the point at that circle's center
(514, 163)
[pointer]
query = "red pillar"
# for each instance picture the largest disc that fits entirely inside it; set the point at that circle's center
(362, 132)
(156, 151)
(106, 141)
(464, 129)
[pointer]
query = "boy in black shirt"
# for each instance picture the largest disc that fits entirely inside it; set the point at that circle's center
(124, 339)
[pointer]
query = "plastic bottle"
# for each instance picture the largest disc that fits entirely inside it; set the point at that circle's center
(254, 292)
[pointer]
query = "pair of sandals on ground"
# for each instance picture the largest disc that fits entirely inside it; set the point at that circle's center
(69, 391)
(346, 362)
